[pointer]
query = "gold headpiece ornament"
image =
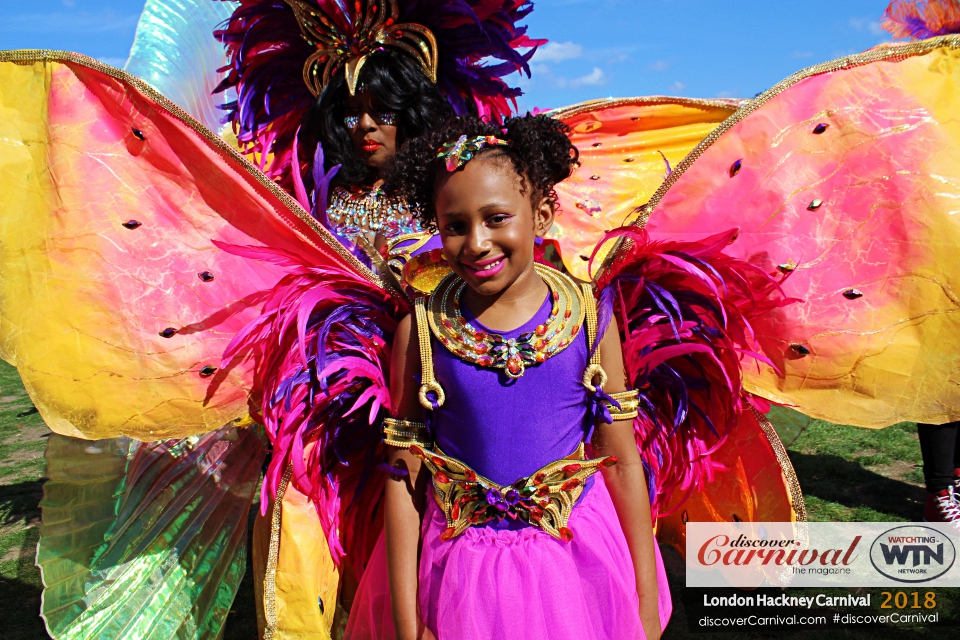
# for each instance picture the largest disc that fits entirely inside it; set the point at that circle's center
(374, 27)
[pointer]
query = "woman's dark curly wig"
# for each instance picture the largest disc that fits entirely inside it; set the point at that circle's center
(539, 151)
(397, 84)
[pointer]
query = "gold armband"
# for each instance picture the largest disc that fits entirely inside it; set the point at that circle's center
(403, 433)
(629, 405)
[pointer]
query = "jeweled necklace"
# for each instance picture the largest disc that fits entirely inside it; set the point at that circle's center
(358, 210)
(489, 349)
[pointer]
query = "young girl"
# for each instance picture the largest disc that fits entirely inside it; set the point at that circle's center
(519, 514)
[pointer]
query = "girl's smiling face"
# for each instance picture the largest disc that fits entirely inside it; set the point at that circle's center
(489, 224)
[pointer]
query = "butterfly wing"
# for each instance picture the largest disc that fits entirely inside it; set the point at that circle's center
(845, 178)
(116, 303)
(627, 148)
(146, 539)
(173, 52)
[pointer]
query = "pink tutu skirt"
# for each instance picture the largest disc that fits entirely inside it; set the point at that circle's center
(518, 584)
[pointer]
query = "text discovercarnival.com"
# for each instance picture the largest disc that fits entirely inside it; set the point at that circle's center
(743, 575)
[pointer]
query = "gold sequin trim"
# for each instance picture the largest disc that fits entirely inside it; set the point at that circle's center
(609, 103)
(786, 467)
(270, 578)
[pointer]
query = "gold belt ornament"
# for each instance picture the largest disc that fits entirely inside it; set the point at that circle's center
(544, 499)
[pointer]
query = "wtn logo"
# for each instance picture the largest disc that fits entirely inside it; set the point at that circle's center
(899, 554)
(912, 553)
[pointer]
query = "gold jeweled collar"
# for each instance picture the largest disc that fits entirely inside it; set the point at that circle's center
(489, 349)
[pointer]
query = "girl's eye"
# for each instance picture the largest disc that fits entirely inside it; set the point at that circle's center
(454, 228)
(498, 218)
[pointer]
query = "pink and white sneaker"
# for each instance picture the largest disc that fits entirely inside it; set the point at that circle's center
(942, 507)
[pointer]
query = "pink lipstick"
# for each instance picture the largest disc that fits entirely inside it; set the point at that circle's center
(486, 268)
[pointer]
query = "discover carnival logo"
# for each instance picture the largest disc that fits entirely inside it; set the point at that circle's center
(912, 554)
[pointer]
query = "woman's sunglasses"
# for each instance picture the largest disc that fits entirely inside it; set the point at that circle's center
(383, 118)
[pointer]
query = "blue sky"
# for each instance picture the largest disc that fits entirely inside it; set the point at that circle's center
(694, 48)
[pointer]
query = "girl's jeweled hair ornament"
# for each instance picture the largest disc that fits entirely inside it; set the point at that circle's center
(459, 152)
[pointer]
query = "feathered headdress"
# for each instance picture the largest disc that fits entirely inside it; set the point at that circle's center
(920, 19)
(282, 53)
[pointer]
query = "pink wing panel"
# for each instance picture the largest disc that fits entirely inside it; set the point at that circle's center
(117, 306)
(846, 179)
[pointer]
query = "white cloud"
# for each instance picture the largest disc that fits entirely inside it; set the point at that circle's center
(592, 79)
(867, 24)
(677, 87)
(801, 54)
(659, 65)
(70, 3)
(558, 52)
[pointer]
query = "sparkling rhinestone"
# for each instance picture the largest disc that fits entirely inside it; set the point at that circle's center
(594, 177)
(169, 332)
(786, 267)
(208, 371)
(800, 350)
(138, 134)
(132, 224)
(206, 276)
(814, 205)
(852, 294)
(735, 167)
(820, 128)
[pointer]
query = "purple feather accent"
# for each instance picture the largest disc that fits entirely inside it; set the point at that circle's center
(684, 312)
(922, 19)
(478, 45)
(321, 345)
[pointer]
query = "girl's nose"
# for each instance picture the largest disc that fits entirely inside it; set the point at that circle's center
(477, 241)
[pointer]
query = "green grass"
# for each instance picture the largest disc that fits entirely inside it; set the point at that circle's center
(22, 441)
(847, 474)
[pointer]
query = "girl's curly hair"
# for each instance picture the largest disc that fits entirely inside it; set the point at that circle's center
(539, 151)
